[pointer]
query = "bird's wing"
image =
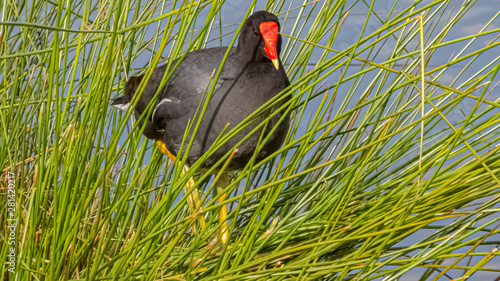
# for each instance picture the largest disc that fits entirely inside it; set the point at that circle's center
(185, 93)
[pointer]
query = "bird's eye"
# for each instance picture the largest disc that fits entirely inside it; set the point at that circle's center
(255, 32)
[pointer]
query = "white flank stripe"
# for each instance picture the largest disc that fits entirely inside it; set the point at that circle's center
(158, 105)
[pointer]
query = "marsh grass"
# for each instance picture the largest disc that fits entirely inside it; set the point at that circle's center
(385, 170)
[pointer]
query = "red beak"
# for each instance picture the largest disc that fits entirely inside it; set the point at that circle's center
(269, 31)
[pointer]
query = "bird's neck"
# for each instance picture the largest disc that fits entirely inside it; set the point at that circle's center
(246, 53)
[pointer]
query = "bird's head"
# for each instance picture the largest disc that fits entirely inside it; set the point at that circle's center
(260, 35)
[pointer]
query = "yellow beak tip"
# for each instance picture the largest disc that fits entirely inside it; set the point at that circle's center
(276, 63)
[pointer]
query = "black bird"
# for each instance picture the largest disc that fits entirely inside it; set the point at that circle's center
(251, 76)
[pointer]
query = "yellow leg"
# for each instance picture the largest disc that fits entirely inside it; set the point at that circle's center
(194, 201)
(222, 183)
(164, 149)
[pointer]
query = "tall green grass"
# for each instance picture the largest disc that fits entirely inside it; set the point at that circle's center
(387, 172)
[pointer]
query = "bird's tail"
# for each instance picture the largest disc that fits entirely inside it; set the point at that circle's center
(120, 103)
(130, 89)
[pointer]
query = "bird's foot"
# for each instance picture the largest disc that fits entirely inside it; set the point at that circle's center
(163, 148)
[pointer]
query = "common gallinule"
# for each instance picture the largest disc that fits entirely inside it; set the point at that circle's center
(251, 76)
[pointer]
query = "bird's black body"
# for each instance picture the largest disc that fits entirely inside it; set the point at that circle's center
(247, 81)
